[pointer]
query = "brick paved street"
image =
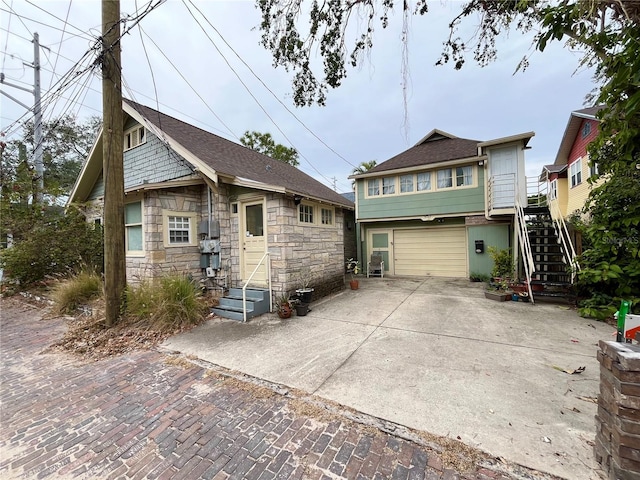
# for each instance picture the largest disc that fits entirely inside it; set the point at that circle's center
(138, 416)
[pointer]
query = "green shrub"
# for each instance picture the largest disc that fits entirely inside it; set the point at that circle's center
(58, 245)
(502, 262)
(479, 277)
(166, 304)
(76, 291)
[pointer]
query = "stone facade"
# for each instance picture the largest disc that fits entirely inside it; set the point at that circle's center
(315, 252)
(617, 447)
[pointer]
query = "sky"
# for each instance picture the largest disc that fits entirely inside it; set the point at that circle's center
(180, 65)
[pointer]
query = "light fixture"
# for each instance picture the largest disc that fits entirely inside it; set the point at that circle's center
(297, 199)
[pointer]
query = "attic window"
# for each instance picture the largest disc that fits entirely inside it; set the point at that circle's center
(134, 137)
(586, 129)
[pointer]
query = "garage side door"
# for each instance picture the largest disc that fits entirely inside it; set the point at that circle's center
(440, 252)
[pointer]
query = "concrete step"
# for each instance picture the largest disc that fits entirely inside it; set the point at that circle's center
(230, 306)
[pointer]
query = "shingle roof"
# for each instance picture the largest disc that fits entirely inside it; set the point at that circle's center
(231, 159)
(433, 149)
(571, 130)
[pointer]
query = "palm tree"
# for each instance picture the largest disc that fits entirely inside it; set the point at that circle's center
(364, 167)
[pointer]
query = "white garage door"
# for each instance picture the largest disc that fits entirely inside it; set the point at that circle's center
(440, 252)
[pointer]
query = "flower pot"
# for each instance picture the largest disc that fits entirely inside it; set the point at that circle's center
(285, 311)
(305, 294)
(354, 284)
(497, 296)
(302, 309)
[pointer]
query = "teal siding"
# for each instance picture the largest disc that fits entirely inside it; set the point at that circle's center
(151, 162)
(492, 235)
(446, 202)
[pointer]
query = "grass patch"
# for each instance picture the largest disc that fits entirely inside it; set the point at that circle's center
(168, 304)
(76, 291)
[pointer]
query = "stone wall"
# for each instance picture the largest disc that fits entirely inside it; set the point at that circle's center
(314, 252)
(617, 447)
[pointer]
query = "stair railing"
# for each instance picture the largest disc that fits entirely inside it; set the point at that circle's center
(244, 287)
(565, 239)
(525, 244)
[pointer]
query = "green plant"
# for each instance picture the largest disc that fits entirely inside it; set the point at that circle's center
(77, 290)
(57, 245)
(502, 262)
(166, 304)
(283, 301)
(479, 277)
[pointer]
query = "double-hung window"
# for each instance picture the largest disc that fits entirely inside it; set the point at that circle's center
(133, 227)
(553, 189)
(576, 172)
(445, 179)
(326, 216)
(389, 186)
(464, 176)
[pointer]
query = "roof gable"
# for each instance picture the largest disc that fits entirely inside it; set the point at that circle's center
(217, 157)
(571, 131)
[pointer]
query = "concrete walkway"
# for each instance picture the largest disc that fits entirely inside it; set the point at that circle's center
(434, 355)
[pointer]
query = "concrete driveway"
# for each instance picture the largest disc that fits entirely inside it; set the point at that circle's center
(433, 354)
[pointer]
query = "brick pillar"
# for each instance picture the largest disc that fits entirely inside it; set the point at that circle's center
(617, 447)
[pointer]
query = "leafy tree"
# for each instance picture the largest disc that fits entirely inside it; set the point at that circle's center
(606, 31)
(264, 143)
(364, 167)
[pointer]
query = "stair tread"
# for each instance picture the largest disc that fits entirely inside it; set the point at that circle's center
(229, 308)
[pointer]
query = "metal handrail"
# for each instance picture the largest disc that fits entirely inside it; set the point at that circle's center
(244, 287)
(525, 244)
(563, 233)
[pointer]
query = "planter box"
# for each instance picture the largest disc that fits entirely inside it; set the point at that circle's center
(497, 296)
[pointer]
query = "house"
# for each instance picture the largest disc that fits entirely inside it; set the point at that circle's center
(201, 204)
(435, 208)
(566, 179)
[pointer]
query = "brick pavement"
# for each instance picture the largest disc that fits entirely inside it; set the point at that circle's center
(137, 416)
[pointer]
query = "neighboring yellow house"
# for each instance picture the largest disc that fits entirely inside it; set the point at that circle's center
(566, 179)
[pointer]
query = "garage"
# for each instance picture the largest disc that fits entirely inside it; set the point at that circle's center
(440, 252)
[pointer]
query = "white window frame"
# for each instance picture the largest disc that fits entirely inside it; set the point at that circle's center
(553, 189)
(575, 170)
(134, 137)
(593, 169)
(373, 187)
(127, 228)
(166, 215)
(461, 173)
(320, 214)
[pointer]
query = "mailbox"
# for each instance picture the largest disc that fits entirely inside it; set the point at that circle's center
(479, 246)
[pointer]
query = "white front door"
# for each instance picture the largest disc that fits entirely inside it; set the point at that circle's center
(253, 244)
(503, 173)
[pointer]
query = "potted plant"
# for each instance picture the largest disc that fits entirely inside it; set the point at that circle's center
(305, 292)
(353, 267)
(498, 290)
(283, 305)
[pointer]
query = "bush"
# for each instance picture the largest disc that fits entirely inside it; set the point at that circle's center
(167, 304)
(76, 291)
(502, 262)
(58, 245)
(479, 277)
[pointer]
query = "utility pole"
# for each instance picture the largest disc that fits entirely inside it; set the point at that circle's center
(112, 163)
(37, 113)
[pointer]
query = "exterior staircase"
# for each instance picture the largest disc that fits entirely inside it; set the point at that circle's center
(551, 276)
(231, 305)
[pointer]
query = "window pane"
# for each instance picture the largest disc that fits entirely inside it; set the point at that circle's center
(253, 220)
(134, 238)
(306, 213)
(133, 213)
(464, 176)
(373, 187)
(444, 178)
(179, 229)
(388, 186)
(424, 181)
(406, 183)
(327, 217)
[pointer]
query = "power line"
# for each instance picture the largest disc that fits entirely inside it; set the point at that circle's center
(6, 43)
(21, 17)
(61, 40)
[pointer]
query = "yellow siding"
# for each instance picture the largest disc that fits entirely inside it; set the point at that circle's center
(577, 196)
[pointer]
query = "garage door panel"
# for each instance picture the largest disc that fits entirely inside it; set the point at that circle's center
(436, 252)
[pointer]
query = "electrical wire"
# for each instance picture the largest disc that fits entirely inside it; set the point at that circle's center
(66, 20)
(6, 43)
